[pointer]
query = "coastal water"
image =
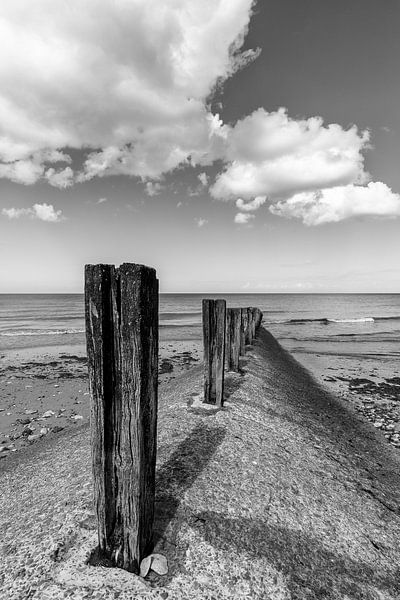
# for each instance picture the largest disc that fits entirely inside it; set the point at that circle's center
(331, 325)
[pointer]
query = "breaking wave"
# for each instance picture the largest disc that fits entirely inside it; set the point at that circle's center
(30, 332)
(326, 320)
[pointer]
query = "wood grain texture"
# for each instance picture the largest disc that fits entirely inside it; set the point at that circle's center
(245, 326)
(258, 318)
(214, 326)
(121, 307)
(233, 338)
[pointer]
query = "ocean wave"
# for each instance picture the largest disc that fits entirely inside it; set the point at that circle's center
(358, 320)
(178, 315)
(326, 320)
(178, 323)
(31, 332)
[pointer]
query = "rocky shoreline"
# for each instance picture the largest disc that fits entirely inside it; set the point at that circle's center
(377, 401)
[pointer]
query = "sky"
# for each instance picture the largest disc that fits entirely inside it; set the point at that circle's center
(235, 146)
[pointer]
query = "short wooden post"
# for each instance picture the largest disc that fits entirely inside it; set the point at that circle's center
(250, 325)
(214, 318)
(233, 338)
(121, 307)
(258, 318)
(245, 327)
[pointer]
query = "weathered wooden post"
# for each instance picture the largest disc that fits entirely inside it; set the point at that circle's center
(250, 326)
(214, 317)
(245, 328)
(258, 318)
(121, 307)
(233, 338)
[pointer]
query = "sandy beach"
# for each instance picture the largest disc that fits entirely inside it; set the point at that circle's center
(45, 391)
(284, 493)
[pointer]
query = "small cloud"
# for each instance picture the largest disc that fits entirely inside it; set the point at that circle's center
(250, 206)
(102, 200)
(201, 222)
(152, 189)
(243, 218)
(60, 179)
(246, 285)
(42, 212)
(387, 129)
(203, 179)
(179, 204)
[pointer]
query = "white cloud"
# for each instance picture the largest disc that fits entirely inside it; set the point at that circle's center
(16, 213)
(42, 212)
(128, 83)
(339, 203)
(152, 189)
(270, 154)
(61, 179)
(125, 81)
(243, 218)
(201, 222)
(250, 206)
(203, 179)
(26, 172)
(102, 200)
(46, 212)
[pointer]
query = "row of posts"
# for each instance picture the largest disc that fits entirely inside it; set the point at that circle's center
(121, 311)
(226, 332)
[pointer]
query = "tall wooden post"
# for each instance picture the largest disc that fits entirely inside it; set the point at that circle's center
(214, 316)
(233, 338)
(121, 307)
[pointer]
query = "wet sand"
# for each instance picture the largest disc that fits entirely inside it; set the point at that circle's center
(45, 392)
(372, 386)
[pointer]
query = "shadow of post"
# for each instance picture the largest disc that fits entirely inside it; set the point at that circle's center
(180, 472)
(313, 571)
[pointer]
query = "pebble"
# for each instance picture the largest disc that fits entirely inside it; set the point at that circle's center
(28, 430)
(33, 438)
(57, 429)
(47, 414)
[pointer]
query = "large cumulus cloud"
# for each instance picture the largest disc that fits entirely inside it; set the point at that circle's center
(126, 79)
(127, 82)
(308, 170)
(268, 153)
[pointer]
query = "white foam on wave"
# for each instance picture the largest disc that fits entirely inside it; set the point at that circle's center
(31, 333)
(359, 320)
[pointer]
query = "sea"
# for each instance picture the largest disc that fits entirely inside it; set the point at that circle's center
(362, 327)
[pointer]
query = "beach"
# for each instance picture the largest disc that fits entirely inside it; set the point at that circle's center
(284, 493)
(349, 343)
(45, 391)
